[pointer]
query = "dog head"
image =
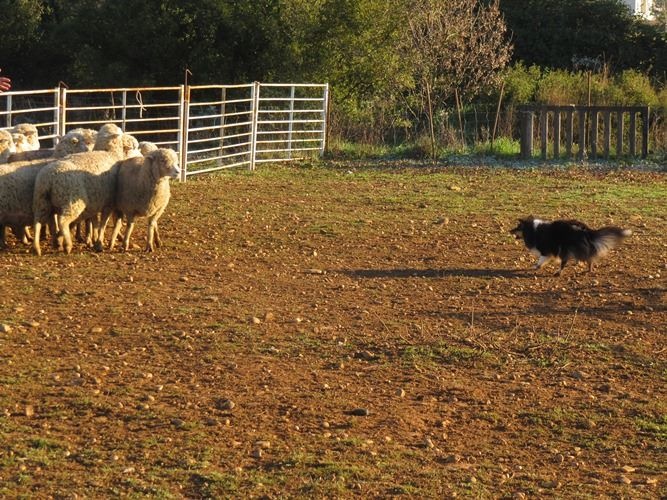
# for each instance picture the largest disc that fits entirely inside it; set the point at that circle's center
(522, 226)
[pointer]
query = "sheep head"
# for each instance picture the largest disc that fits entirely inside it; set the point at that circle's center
(163, 163)
(6, 146)
(21, 142)
(110, 138)
(146, 147)
(130, 146)
(31, 135)
(71, 142)
(89, 136)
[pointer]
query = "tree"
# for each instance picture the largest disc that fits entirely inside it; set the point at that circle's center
(659, 11)
(454, 47)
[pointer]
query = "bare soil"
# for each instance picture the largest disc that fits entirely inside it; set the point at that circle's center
(344, 331)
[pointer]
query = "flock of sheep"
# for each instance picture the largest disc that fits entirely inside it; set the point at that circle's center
(88, 178)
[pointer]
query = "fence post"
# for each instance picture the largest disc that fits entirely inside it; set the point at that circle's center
(291, 123)
(544, 130)
(619, 134)
(645, 124)
(569, 131)
(184, 117)
(582, 133)
(124, 111)
(557, 126)
(325, 120)
(632, 132)
(606, 116)
(526, 133)
(595, 125)
(223, 110)
(9, 112)
(255, 119)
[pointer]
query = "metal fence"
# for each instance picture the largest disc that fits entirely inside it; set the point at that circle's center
(212, 127)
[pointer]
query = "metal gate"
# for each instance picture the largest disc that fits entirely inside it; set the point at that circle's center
(212, 127)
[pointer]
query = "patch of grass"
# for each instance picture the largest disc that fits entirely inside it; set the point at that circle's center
(214, 484)
(443, 354)
(656, 426)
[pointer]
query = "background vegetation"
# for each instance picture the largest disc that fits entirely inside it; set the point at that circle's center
(388, 86)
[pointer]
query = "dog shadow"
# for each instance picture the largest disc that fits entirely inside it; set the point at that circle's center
(433, 273)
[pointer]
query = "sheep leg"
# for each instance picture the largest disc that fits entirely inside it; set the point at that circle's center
(37, 229)
(69, 214)
(64, 235)
(158, 241)
(53, 229)
(116, 230)
(152, 229)
(99, 241)
(128, 232)
(27, 237)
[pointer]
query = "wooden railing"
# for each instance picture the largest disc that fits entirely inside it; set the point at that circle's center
(560, 119)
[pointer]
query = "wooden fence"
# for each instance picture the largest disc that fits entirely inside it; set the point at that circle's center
(560, 120)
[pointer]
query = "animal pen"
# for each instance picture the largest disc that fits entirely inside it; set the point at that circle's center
(212, 127)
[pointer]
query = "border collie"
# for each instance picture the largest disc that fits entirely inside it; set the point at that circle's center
(564, 240)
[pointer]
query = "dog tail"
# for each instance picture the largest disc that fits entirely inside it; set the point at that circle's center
(608, 238)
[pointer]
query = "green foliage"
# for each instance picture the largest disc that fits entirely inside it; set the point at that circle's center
(521, 83)
(550, 32)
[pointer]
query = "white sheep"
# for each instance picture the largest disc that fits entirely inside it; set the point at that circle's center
(21, 142)
(143, 191)
(17, 182)
(72, 142)
(7, 147)
(16, 189)
(30, 133)
(146, 147)
(80, 186)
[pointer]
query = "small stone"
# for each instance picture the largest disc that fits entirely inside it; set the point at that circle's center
(549, 484)
(211, 422)
(269, 316)
(651, 481)
(628, 468)
(400, 393)
(225, 404)
(29, 411)
(428, 443)
(5, 328)
(366, 355)
(263, 444)
(624, 480)
(455, 188)
(359, 412)
(31, 324)
(257, 453)
(452, 459)
(177, 422)
(96, 329)
(255, 320)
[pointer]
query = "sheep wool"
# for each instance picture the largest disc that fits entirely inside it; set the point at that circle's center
(143, 191)
(7, 147)
(31, 135)
(72, 142)
(82, 186)
(17, 181)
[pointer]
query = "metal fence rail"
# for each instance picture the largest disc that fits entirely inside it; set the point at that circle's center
(212, 127)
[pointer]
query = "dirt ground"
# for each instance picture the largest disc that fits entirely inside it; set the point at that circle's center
(344, 331)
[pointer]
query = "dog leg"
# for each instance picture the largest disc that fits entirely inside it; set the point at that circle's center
(542, 261)
(562, 266)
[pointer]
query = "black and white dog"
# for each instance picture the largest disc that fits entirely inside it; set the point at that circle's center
(564, 240)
